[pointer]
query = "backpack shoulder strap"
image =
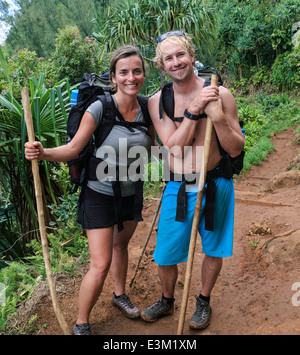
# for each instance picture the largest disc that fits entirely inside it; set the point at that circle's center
(143, 102)
(109, 108)
(207, 82)
(167, 100)
(108, 118)
(110, 112)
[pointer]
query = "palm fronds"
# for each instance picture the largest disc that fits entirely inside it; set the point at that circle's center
(49, 109)
(141, 22)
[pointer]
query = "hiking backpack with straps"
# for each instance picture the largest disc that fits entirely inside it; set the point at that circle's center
(91, 89)
(228, 166)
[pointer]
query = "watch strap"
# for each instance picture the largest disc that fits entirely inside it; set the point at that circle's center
(191, 116)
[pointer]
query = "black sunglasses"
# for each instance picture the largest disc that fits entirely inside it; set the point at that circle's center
(172, 33)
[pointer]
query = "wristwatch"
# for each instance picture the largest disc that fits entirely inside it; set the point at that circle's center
(191, 116)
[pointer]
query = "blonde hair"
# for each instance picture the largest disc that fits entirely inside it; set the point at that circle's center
(185, 41)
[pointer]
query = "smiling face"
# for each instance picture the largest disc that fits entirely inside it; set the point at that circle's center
(177, 62)
(129, 75)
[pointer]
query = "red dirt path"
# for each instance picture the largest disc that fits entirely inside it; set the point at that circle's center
(253, 294)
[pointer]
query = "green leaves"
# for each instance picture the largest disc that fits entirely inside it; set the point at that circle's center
(48, 108)
(143, 21)
(253, 34)
(3, 64)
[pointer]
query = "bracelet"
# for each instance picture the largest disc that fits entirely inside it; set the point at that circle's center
(191, 116)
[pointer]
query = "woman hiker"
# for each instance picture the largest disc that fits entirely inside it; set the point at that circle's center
(97, 211)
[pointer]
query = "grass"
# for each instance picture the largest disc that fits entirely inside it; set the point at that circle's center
(263, 115)
(258, 153)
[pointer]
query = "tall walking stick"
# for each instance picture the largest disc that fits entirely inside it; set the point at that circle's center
(41, 219)
(189, 267)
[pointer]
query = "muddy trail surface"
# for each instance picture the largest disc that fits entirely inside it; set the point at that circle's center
(257, 291)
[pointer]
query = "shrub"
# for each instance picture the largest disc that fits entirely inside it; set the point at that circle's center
(253, 124)
(21, 67)
(286, 70)
(74, 57)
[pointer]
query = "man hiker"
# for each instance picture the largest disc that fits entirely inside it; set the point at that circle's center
(180, 125)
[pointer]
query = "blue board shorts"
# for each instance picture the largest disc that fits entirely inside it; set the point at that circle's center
(173, 237)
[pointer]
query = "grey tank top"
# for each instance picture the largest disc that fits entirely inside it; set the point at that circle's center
(114, 151)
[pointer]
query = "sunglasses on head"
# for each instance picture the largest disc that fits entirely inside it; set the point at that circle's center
(172, 33)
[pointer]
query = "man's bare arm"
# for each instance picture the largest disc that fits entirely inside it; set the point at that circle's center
(224, 116)
(169, 134)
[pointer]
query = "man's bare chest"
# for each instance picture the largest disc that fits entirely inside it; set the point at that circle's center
(199, 134)
(181, 103)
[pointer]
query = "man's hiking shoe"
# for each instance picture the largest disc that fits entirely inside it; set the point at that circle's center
(201, 316)
(82, 329)
(123, 302)
(157, 310)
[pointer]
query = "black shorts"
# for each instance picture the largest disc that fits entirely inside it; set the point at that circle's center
(97, 210)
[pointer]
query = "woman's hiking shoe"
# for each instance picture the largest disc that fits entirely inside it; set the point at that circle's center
(124, 304)
(82, 329)
(201, 316)
(157, 310)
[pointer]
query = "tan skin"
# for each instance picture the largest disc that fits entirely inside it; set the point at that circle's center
(108, 248)
(219, 104)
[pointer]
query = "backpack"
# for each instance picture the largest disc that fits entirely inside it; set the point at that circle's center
(167, 102)
(91, 89)
(205, 72)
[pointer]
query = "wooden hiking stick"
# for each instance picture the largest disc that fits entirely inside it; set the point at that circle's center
(41, 219)
(189, 267)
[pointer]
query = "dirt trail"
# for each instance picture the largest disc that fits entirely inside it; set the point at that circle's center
(253, 294)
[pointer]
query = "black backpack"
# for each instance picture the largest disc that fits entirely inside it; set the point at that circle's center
(205, 72)
(91, 89)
